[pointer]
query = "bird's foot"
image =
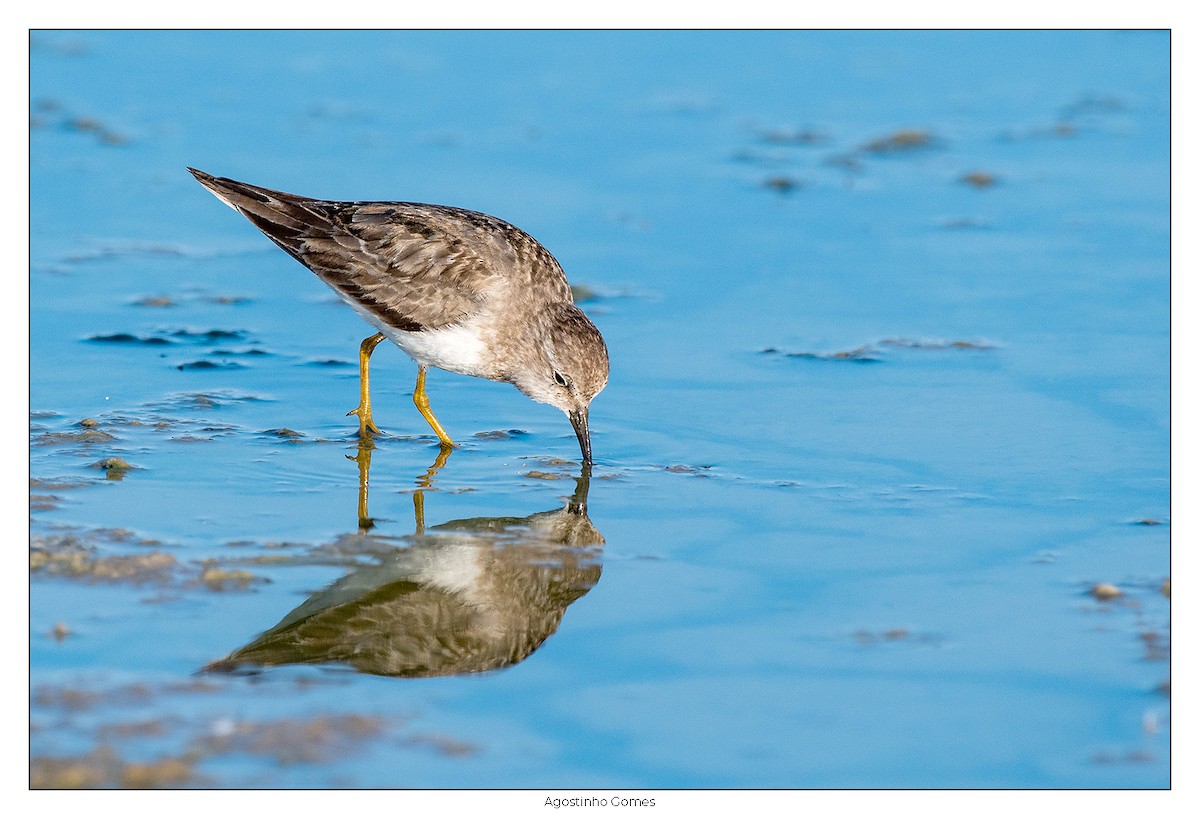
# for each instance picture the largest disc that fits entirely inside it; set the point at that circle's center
(366, 424)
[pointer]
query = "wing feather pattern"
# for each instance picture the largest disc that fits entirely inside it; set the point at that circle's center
(415, 266)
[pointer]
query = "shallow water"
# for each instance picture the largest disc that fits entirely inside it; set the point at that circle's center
(888, 317)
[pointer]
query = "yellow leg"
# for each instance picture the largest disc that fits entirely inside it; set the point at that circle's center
(366, 424)
(422, 402)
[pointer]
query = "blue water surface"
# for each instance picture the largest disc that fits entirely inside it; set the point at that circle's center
(888, 321)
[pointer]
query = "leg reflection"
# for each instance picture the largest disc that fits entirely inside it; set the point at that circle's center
(425, 482)
(363, 459)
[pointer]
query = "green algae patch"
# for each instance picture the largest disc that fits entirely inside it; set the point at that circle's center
(443, 745)
(501, 434)
(284, 433)
(902, 141)
(77, 557)
(86, 436)
(293, 741)
(782, 184)
(68, 557)
(219, 580)
(104, 768)
(114, 468)
(155, 301)
(1105, 592)
(979, 179)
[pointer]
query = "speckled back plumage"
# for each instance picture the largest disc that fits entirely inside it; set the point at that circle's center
(416, 266)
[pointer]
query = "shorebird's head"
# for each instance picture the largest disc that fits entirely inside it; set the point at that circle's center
(567, 366)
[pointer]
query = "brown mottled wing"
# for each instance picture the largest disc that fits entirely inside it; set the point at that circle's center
(413, 266)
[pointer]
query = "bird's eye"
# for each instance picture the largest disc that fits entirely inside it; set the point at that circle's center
(560, 378)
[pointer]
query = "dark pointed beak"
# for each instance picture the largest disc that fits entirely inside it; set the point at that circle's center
(579, 420)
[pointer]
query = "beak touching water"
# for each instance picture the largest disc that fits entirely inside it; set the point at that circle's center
(579, 420)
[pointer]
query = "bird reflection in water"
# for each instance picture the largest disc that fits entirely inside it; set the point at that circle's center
(462, 597)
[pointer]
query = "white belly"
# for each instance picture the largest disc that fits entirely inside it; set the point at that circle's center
(453, 348)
